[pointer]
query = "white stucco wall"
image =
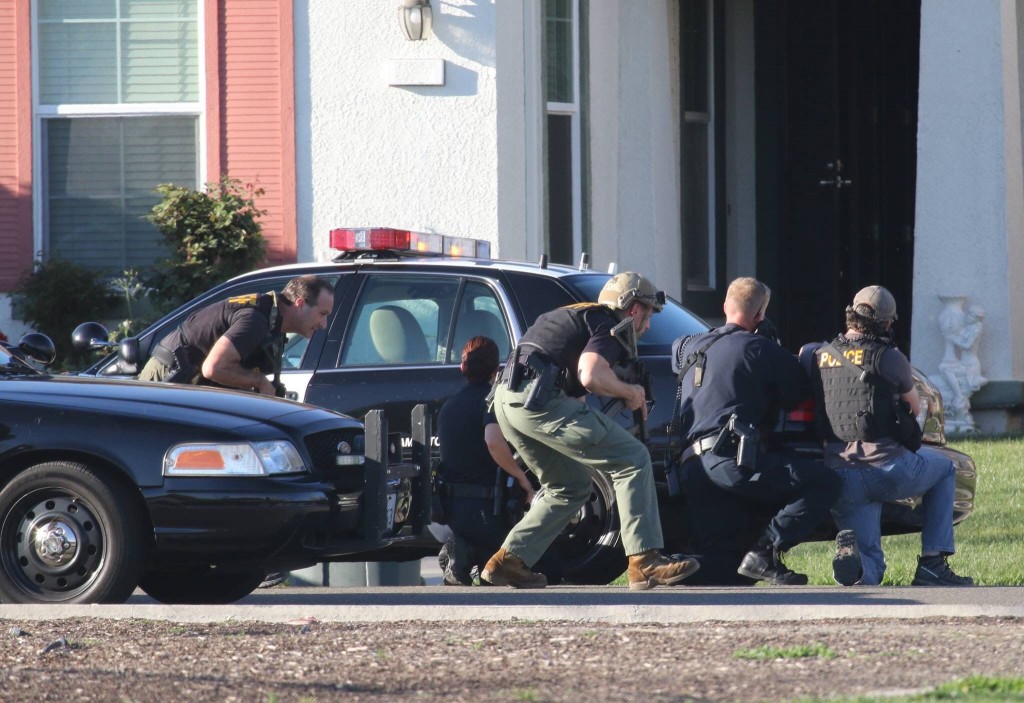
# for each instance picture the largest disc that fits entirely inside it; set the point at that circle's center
(634, 140)
(961, 241)
(369, 154)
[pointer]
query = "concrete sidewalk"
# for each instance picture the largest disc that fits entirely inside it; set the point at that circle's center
(613, 604)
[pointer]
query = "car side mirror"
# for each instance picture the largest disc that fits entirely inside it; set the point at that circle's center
(38, 347)
(89, 336)
(128, 351)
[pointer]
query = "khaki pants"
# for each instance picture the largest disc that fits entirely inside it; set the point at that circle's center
(153, 371)
(561, 443)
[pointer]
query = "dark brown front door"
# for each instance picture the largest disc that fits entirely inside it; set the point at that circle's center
(836, 84)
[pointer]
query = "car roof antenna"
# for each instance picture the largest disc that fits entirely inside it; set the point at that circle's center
(584, 261)
(543, 263)
(613, 268)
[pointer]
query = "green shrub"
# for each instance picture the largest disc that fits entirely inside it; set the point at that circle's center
(55, 297)
(212, 235)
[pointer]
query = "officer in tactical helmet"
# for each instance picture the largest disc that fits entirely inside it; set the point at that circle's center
(541, 408)
(235, 343)
(733, 382)
(867, 408)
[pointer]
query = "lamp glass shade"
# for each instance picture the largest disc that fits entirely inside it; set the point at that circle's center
(416, 21)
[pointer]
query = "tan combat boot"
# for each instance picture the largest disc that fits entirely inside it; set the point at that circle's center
(649, 569)
(506, 569)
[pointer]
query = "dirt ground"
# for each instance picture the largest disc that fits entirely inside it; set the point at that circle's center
(140, 661)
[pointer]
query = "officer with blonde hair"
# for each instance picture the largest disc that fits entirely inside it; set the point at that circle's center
(733, 383)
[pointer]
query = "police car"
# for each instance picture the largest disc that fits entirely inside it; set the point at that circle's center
(406, 303)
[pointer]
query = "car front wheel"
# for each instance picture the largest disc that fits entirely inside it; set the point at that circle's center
(68, 535)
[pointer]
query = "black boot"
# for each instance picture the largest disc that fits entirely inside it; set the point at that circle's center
(763, 563)
(935, 571)
(454, 561)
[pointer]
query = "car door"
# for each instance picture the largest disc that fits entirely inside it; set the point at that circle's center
(400, 341)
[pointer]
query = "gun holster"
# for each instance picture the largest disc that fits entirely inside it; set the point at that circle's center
(741, 435)
(545, 381)
(186, 365)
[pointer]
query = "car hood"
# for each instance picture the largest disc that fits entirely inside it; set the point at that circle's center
(208, 407)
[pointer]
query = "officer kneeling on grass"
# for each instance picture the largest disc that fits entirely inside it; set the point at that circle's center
(540, 405)
(867, 408)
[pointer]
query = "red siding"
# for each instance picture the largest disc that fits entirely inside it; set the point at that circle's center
(15, 143)
(251, 107)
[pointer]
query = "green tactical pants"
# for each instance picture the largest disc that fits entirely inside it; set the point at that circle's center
(560, 443)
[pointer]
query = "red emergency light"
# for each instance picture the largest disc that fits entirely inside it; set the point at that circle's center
(378, 238)
(803, 412)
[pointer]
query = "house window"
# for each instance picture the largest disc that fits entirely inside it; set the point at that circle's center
(561, 87)
(698, 138)
(118, 107)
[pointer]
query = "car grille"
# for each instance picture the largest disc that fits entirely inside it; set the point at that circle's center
(323, 450)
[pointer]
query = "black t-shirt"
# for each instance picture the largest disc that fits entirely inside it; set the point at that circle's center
(746, 374)
(246, 325)
(460, 429)
(565, 333)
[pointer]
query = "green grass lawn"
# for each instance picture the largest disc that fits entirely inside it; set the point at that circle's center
(990, 543)
(974, 689)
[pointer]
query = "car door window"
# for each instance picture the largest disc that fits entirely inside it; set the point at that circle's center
(401, 320)
(295, 344)
(479, 314)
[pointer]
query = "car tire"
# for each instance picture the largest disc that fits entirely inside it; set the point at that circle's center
(590, 547)
(206, 586)
(69, 535)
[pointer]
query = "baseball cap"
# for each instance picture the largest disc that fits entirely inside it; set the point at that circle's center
(875, 302)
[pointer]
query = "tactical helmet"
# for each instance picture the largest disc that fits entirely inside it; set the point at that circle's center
(624, 289)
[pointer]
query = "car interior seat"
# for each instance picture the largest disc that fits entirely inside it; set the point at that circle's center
(397, 336)
(479, 322)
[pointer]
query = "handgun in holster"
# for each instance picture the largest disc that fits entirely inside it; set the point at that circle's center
(744, 436)
(186, 366)
(544, 382)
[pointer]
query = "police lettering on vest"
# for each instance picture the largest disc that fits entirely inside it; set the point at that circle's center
(858, 402)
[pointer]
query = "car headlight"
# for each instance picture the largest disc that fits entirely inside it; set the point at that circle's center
(250, 459)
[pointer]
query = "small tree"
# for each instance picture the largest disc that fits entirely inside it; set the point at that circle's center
(212, 236)
(56, 296)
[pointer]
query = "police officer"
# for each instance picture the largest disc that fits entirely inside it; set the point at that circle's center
(540, 406)
(471, 486)
(733, 383)
(237, 342)
(867, 416)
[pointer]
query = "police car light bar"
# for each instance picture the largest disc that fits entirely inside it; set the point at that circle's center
(377, 238)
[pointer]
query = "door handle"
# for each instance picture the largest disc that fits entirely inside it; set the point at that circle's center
(837, 181)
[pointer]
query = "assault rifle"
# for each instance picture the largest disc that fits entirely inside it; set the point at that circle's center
(632, 372)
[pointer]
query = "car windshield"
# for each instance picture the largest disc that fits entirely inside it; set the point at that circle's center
(672, 322)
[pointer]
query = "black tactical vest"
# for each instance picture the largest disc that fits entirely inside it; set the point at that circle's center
(854, 405)
(267, 355)
(562, 334)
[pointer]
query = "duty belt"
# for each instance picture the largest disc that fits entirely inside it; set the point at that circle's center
(164, 355)
(466, 490)
(701, 446)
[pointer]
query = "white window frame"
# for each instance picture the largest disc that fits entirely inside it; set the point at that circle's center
(708, 118)
(40, 113)
(572, 109)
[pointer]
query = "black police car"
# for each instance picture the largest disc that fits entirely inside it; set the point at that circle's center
(405, 306)
(194, 494)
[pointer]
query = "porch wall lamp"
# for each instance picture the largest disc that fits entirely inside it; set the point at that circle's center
(416, 18)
